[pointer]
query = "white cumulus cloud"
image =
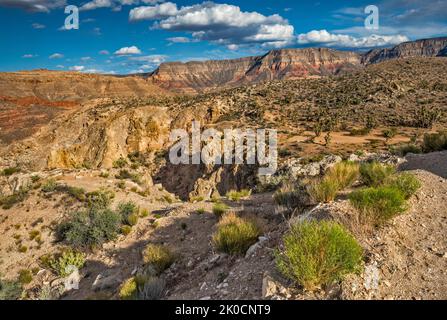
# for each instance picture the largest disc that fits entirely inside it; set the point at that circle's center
(128, 51)
(347, 41)
(221, 23)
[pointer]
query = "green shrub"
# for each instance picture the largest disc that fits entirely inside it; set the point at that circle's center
(7, 202)
(318, 253)
(90, 228)
(201, 211)
(375, 174)
(389, 133)
(75, 192)
(61, 262)
(25, 276)
(406, 183)
(129, 212)
(435, 141)
(234, 195)
(405, 149)
(49, 186)
(235, 235)
(378, 205)
(120, 163)
(10, 171)
(159, 257)
(99, 200)
(10, 290)
(219, 209)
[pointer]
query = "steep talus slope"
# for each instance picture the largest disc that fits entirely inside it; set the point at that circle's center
(420, 48)
(275, 65)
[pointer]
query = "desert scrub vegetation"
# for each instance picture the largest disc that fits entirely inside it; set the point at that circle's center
(99, 200)
(435, 141)
(158, 257)
(235, 195)
(406, 183)
(375, 174)
(7, 202)
(318, 253)
(25, 276)
(142, 287)
(288, 196)
(219, 209)
(61, 263)
(10, 289)
(129, 212)
(378, 205)
(89, 228)
(235, 235)
(120, 163)
(10, 171)
(339, 177)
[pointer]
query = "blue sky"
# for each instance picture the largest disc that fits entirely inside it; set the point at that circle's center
(128, 36)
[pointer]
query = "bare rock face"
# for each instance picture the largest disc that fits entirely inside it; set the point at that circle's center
(276, 64)
(422, 48)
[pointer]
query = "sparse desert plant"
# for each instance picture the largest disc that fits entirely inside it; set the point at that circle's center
(389, 134)
(25, 276)
(129, 290)
(317, 253)
(196, 199)
(435, 141)
(129, 212)
(406, 182)
(324, 190)
(201, 211)
(75, 192)
(90, 228)
(290, 196)
(344, 174)
(426, 117)
(126, 230)
(62, 262)
(375, 174)
(49, 186)
(10, 171)
(234, 195)
(7, 202)
(151, 289)
(405, 149)
(120, 163)
(144, 213)
(378, 205)
(10, 290)
(235, 235)
(142, 287)
(159, 257)
(219, 209)
(99, 200)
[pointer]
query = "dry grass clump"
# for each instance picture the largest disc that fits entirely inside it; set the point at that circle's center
(235, 235)
(159, 257)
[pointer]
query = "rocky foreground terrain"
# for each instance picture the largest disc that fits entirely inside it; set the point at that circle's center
(75, 146)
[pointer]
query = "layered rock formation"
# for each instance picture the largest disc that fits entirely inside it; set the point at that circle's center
(421, 48)
(275, 65)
